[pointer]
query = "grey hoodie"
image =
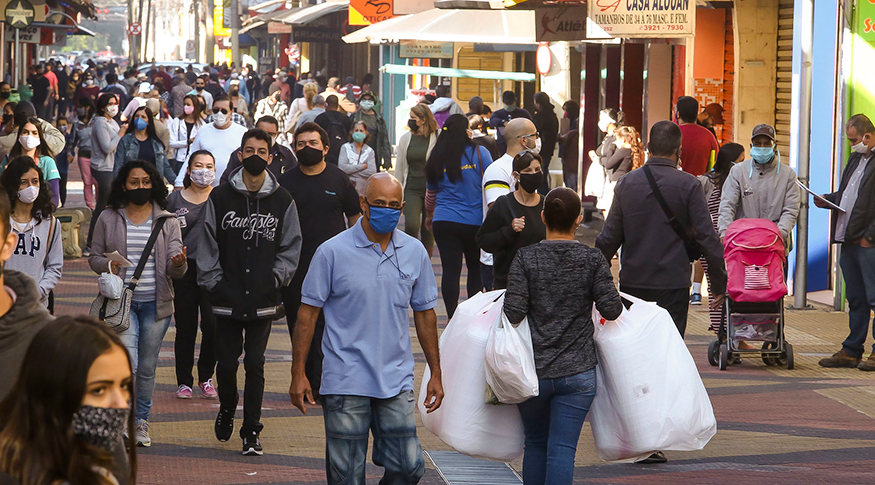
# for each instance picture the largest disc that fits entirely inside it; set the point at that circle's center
(18, 326)
(104, 141)
(37, 257)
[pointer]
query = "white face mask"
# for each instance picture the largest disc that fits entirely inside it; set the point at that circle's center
(28, 195)
(203, 177)
(603, 125)
(537, 148)
(29, 142)
(112, 110)
(860, 147)
(220, 119)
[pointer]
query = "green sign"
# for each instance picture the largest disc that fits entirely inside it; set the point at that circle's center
(866, 20)
(19, 14)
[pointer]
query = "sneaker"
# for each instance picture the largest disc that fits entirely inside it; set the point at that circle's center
(695, 299)
(143, 438)
(252, 446)
(657, 457)
(208, 390)
(224, 424)
(86, 252)
(184, 392)
(868, 364)
(840, 359)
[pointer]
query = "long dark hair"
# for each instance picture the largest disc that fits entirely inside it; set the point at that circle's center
(150, 127)
(450, 147)
(726, 158)
(89, 109)
(103, 102)
(37, 446)
(10, 180)
(18, 150)
(198, 108)
(118, 196)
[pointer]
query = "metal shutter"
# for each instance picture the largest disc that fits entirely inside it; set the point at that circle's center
(783, 89)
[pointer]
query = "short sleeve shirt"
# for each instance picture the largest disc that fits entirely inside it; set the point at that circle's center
(368, 351)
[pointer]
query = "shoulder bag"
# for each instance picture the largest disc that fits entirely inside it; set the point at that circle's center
(694, 251)
(115, 313)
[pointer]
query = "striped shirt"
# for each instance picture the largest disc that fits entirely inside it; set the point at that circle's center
(138, 236)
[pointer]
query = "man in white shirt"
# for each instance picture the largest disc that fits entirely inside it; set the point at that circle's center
(138, 101)
(221, 138)
(520, 134)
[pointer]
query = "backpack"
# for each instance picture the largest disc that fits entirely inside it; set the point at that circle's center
(337, 134)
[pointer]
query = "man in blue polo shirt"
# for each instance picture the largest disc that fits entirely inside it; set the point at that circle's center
(364, 280)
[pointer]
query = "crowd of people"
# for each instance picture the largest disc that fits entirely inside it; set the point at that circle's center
(291, 212)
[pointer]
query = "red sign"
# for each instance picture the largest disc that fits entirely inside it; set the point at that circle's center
(367, 12)
(134, 29)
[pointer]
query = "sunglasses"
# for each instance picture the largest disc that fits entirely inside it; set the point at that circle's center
(223, 110)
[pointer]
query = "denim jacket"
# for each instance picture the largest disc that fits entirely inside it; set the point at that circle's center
(129, 150)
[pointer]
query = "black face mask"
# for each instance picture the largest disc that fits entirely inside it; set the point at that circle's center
(309, 156)
(7, 118)
(5, 94)
(139, 196)
(199, 88)
(254, 164)
(531, 181)
(412, 124)
(100, 427)
(234, 93)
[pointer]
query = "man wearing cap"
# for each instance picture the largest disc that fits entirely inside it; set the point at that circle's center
(710, 117)
(138, 101)
(273, 106)
(345, 104)
(761, 187)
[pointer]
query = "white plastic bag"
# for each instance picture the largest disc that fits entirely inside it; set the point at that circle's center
(464, 421)
(649, 395)
(510, 362)
(110, 285)
(594, 185)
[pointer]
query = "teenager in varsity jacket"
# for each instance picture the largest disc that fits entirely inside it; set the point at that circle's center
(249, 250)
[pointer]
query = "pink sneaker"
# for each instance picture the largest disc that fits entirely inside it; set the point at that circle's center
(208, 389)
(184, 392)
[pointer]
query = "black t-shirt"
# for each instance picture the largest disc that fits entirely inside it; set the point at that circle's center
(147, 151)
(324, 201)
(41, 87)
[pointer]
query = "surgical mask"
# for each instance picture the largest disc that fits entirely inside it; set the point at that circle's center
(255, 165)
(220, 119)
(28, 195)
(89, 82)
(509, 107)
(383, 220)
(29, 142)
(188, 109)
(112, 110)
(5, 94)
(413, 125)
(100, 427)
(63, 128)
(367, 105)
(202, 177)
(537, 148)
(358, 137)
(860, 147)
(140, 124)
(762, 155)
(309, 156)
(531, 181)
(603, 126)
(80, 111)
(139, 196)
(234, 75)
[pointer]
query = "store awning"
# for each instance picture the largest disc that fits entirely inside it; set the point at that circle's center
(450, 72)
(301, 16)
(436, 25)
(73, 29)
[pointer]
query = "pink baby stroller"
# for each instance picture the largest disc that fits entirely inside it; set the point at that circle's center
(755, 290)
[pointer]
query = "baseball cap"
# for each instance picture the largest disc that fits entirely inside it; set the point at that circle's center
(144, 88)
(763, 130)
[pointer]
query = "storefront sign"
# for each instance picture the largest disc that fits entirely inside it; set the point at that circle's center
(226, 14)
(367, 12)
(19, 14)
(554, 24)
(279, 28)
(29, 35)
(642, 18)
(419, 49)
(316, 34)
(866, 20)
(218, 19)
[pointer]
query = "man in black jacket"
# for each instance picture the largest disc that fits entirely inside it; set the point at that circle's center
(654, 264)
(854, 229)
(282, 159)
(249, 250)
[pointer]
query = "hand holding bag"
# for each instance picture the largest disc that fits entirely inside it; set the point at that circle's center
(115, 313)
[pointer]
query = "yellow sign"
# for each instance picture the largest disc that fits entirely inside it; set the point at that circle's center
(367, 12)
(218, 29)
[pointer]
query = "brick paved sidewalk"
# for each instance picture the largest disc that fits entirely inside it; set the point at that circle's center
(808, 425)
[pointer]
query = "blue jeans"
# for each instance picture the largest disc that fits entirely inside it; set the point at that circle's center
(858, 269)
(552, 422)
(143, 340)
(396, 448)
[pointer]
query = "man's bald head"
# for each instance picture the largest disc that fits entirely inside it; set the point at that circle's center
(382, 186)
(513, 130)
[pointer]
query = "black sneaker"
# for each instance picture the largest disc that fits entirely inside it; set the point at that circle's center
(657, 457)
(224, 424)
(252, 446)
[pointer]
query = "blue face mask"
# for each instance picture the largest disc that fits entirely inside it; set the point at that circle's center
(383, 220)
(140, 124)
(762, 155)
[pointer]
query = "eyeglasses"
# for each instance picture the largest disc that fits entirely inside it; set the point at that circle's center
(223, 110)
(535, 134)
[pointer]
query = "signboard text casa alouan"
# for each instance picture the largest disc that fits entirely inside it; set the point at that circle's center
(642, 18)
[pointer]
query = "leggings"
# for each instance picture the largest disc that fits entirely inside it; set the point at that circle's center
(103, 180)
(453, 240)
(189, 299)
(414, 218)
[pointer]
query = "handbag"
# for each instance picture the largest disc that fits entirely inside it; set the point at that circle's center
(115, 313)
(694, 251)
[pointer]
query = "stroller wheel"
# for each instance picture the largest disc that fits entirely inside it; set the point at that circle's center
(723, 359)
(768, 359)
(788, 356)
(713, 352)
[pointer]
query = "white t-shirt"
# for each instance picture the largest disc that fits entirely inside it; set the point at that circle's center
(497, 181)
(221, 143)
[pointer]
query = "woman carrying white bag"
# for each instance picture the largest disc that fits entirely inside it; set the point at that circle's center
(554, 284)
